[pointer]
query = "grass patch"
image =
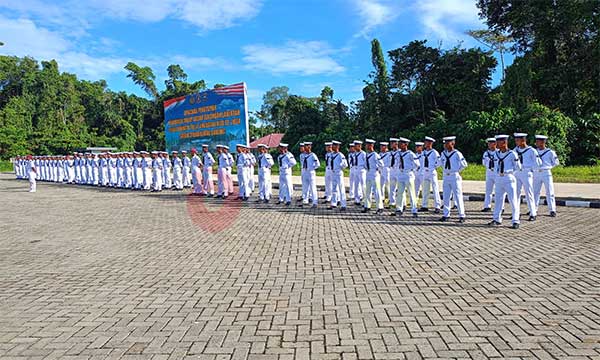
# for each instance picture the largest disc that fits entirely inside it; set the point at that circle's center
(561, 174)
(6, 166)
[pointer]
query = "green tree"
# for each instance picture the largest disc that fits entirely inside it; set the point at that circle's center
(144, 77)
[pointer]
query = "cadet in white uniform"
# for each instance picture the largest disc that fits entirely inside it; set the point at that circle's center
(337, 163)
(360, 173)
(544, 174)
(303, 182)
(112, 170)
(286, 162)
(489, 161)
(241, 162)
(530, 163)
(351, 165)
(250, 170)
(196, 173)
(222, 172)
(407, 164)
(157, 171)
(177, 165)
(386, 158)
(70, 169)
(207, 172)
(185, 170)
(167, 165)
(328, 173)
(430, 180)
(373, 167)
(393, 172)
(420, 173)
(452, 163)
(310, 164)
(506, 165)
(139, 170)
(146, 170)
(264, 163)
(32, 174)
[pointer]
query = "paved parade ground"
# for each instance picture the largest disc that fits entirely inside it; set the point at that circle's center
(97, 273)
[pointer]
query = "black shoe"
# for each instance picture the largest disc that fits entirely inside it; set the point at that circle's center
(379, 211)
(515, 226)
(288, 203)
(343, 208)
(278, 202)
(454, 207)
(443, 219)
(486, 210)
(266, 201)
(365, 210)
(330, 208)
(461, 220)
(324, 198)
(553, 214)
(314, 206)
(494, 223)
(301, 205)
(423, 209)
(415, 215)
(339, 204)
(528, 213)
(437, 211)
(532, 218)
(258, 200)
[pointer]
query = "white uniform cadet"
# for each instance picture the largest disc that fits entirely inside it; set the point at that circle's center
(241, 163)
(264, 162)
(452, 163)
(530, 163)
(31, 170)
(360, 172)
(207, 172)
(420, 173)
(338, 189)
(488, 160)
(167, 180)
(286, 162)
(507, 164)
(250, 170)
(373, 166)
(157, 171)
(543, 176)
(177, 166)
(146, 171)
(430, 176)
(196, 173)
(393, 171)
(185, 170)
(328, 173)
(386, 158)
(310, 163)
(224, 172)
(407, 164)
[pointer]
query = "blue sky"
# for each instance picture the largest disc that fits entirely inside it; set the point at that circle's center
(304, 45)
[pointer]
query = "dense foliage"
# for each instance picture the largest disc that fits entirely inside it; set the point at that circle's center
(552, 87)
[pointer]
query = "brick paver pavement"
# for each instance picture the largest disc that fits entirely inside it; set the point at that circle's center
(93, 273)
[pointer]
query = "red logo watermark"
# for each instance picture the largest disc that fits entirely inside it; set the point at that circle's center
(213, 221)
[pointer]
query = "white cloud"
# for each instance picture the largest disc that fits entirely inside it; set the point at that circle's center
(295, 57)
(448, 19)
(23, 37)
(373, 13)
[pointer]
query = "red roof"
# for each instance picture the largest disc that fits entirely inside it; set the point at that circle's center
(271, 140)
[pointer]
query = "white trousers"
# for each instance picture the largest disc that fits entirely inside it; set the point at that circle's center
(506, 186)
(147, 178)
(187, 179)
(406, 183)
(197, 180)
(286, 187)
(525, 181)
(264, 183)
(32, 182)
(157, 179)
(373, 189)
(338, 188)
(431, 184)
(177, 181)
(351, 182)
(360, 182)
(309, 187)
(207, 177)
(385, 185)
(490, 181)
(544, 177)
(393, 186)
(453, 189)
(328, 183)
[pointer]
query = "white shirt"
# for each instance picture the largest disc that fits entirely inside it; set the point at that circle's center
(407, 161)
(338, 162)
(265, 161)
(208, 159)
(310, 162)
(529, 158)
(489, 160)
(452, 162)
(506, 162)
(286, 161)
(549, 159)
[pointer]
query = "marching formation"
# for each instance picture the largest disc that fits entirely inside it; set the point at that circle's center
(391, 178)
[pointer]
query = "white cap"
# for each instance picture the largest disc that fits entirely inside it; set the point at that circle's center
(429, 138)
(307, 143)
(404, 140)
(261, 145)
(240, 145)
(184, 151)
(449, 138)
(491, 139)
(357, 142)
(419, 143)
(520, 135)
(335, 142)
(369, 141)
(283, 145)
(225, 147)
(204, 145)
(301, 144)
(328, 143)
(541, 137)
(384, 143)
(218, 146)
(501, 137)
(394, 139)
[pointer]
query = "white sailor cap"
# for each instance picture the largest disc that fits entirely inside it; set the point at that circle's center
(142, 152)
(335, 142)
(225, 147)
(501, 137)
(429, 138)
(218, 146)
(384, 143)
(301, 144)
(262, 145)
(491, 139)
(541, 137)
(240, 145)
(404, 140)
(174, 152)
(419, 143)
(204, 145)
(283, 145)
(155, 153)
(369, 141)
(449, 138)
(357, 142)
(328, 143)
(307, 143)
(520, 135)
(394, 139)
(184, 151)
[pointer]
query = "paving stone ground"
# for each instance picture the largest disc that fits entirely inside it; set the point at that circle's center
(90, 273)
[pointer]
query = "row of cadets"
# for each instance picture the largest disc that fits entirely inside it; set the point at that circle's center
(224, 178)
(264, 162)
(309, 163)
(286, 162)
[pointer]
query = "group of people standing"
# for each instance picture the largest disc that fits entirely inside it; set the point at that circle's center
(391, 178)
